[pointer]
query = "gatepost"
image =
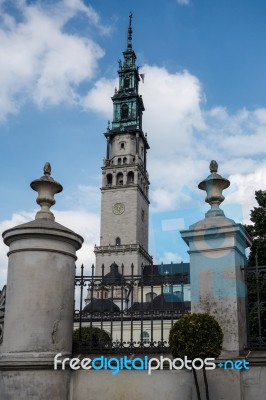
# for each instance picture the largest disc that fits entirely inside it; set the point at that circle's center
(217, 256)
(38, 321)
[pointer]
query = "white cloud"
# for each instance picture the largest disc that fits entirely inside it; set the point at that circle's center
(177, 109)
(169, 257)
(99, 97)
(76, 218)
(84, 223)
(16, 219)
(185, 136)
(40, 61)
(183, 2)
(84, 197)
(244, 195)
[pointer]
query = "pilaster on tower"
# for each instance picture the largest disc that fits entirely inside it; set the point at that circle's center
(125, 181)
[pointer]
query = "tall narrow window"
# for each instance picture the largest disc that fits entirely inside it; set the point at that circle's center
(118, 241)
(130, 177)
(124, 111)
(109, 179)
(126, 82)
(119, 179)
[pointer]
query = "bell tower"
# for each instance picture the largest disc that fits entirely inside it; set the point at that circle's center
(125, 181)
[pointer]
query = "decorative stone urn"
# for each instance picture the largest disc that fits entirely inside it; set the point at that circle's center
(46, 187)
(214, 185)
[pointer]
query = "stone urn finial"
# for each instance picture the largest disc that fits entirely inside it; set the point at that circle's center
(46, 187)
(214, 185)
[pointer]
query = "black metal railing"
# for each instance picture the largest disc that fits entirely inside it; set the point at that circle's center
(255, 278)
(127, 313)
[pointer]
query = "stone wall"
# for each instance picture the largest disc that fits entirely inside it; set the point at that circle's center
(168, 385)
(133, 385)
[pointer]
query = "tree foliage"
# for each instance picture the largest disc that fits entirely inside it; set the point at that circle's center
(257, 283)
(258, 230)
(196, 335)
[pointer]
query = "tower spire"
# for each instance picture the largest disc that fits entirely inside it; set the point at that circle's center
(125, 184)
(129, 32)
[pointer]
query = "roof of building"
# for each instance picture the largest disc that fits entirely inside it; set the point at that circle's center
(101, 305)
(163, 302)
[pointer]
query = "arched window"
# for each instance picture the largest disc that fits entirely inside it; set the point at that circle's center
(109, 179)
(124, 160)
(150, 296)
(119, 179)
(119, 161)
(124, 111)
(122, 145)
(118, 241)
(130, 177)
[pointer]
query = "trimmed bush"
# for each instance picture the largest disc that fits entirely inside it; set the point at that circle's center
(196, 335)
(92, 337)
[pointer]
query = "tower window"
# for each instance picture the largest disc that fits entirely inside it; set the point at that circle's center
(142, 215)
(130, 177)
(126, 82)
(109, 179)
(119, 179)
(119, 161)
(122, 145)
(124, 111)
(118, 241)
(124, 160)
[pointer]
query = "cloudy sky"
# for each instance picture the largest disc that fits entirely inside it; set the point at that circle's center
(204, 94)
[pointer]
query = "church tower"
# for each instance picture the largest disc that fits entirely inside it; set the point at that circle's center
(125, 181)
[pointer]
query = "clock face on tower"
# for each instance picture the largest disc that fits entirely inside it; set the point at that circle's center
(118, 208)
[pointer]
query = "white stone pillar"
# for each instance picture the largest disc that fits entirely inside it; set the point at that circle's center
(217, 255)
(38, 320)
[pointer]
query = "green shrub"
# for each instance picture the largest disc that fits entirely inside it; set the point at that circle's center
(196, 335)
(92, 337)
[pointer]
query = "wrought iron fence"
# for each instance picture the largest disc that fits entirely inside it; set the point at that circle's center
(255, 278)
(120, 313)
